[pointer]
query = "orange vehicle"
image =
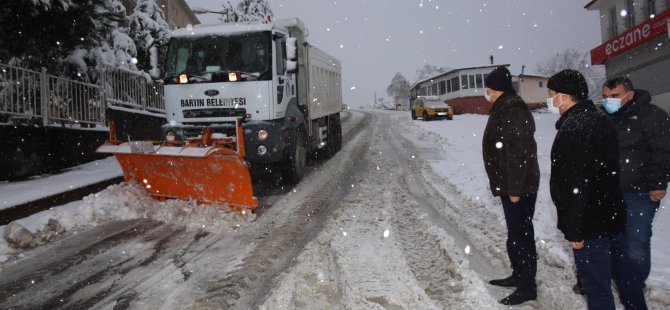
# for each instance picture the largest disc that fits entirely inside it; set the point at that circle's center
(430, 107)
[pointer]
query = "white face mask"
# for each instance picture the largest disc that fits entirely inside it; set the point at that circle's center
(487, 96)
(551, 107)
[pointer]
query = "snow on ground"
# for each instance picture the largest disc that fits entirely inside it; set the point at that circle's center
(462, 166)
(375, 251)
(16, 193)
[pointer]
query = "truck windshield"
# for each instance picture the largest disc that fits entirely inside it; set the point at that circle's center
(210, 56)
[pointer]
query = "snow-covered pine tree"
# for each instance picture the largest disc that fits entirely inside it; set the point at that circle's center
(251, 10)
(150, 32)
(43, 33)
(116, 48)
(246, 10)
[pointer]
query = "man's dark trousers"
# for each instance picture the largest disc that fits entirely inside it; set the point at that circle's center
(521, 240)
(597, 263)
(641, 211)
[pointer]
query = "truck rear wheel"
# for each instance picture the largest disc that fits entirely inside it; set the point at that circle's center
(334, 138)
(297, 160)
(413, 114)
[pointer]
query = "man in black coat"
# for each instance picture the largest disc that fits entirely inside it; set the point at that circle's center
(644, 158)
(510, 159)
(585, 188)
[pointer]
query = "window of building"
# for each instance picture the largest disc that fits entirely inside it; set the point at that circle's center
(449, 85)
(650, 9)
(485, 76)
(480, 82)
(613, 30)
(472, 84)
(667, 4)
(630, 14)
(515, 85)
(443, 87)
(434, 89)
(464, 82)
(540, 84)
(455, 85)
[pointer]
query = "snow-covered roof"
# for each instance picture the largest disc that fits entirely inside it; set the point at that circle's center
(452, 71)
(229, 28)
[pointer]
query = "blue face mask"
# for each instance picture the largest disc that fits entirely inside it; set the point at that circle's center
(611, 105)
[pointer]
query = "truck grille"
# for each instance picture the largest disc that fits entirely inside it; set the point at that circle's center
(202, 113)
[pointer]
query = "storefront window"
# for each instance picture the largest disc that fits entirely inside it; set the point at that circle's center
(480, 82)
(613, 28)
(464, 82)
(630, 14)
(650, 9)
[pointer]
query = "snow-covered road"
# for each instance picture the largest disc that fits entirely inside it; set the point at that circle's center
(396, 220)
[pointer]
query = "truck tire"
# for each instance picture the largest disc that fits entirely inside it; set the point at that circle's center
(297, 160)
(413, 115)
(425, 116)
(333, 140)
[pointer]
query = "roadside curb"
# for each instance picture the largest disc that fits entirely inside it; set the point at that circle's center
(26, 209)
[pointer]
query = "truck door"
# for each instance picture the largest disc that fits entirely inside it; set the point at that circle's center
(284, 83)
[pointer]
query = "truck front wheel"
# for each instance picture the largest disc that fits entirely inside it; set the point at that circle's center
(297, 160)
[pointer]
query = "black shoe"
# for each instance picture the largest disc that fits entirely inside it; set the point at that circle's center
(506, 282)
(518, 297)
(578, 288)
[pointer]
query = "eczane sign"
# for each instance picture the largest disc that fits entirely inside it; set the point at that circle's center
(644, 32)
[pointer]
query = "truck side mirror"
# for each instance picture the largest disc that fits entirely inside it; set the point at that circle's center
(292, 49)
(292, 55)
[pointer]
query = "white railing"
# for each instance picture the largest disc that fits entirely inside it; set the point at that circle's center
(74, 102)
(130, 89)
(36, 97)
(20, 93)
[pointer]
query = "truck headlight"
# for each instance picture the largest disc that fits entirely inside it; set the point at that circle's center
(262, 135)
(183, 78)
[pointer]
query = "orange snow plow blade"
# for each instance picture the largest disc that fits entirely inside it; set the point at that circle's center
(209, 170)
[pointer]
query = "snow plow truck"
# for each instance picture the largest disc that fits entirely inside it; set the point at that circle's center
(239, 94)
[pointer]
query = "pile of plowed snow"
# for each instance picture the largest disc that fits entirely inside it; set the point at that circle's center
(117, 202)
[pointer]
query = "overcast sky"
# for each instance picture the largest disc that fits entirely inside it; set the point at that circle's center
(374, 39)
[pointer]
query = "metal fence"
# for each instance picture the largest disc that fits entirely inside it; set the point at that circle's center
(36, 97)
(130, 89)
(28, 96)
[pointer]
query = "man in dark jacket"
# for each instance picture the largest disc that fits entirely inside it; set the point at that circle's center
(585, 188)
(644, 158)
(510, 159)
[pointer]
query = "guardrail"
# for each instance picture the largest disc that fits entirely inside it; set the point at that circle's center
(28, 96)
(36, 97)
(130, 89)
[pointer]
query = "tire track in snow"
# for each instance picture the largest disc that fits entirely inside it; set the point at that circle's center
(250, 283)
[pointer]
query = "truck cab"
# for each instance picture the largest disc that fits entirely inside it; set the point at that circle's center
(262, 72)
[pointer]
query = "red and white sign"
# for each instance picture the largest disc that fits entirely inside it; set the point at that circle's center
(644, 32)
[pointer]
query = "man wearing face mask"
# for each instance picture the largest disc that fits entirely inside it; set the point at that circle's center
(584, 187)
(510, 159)
(644, 157)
